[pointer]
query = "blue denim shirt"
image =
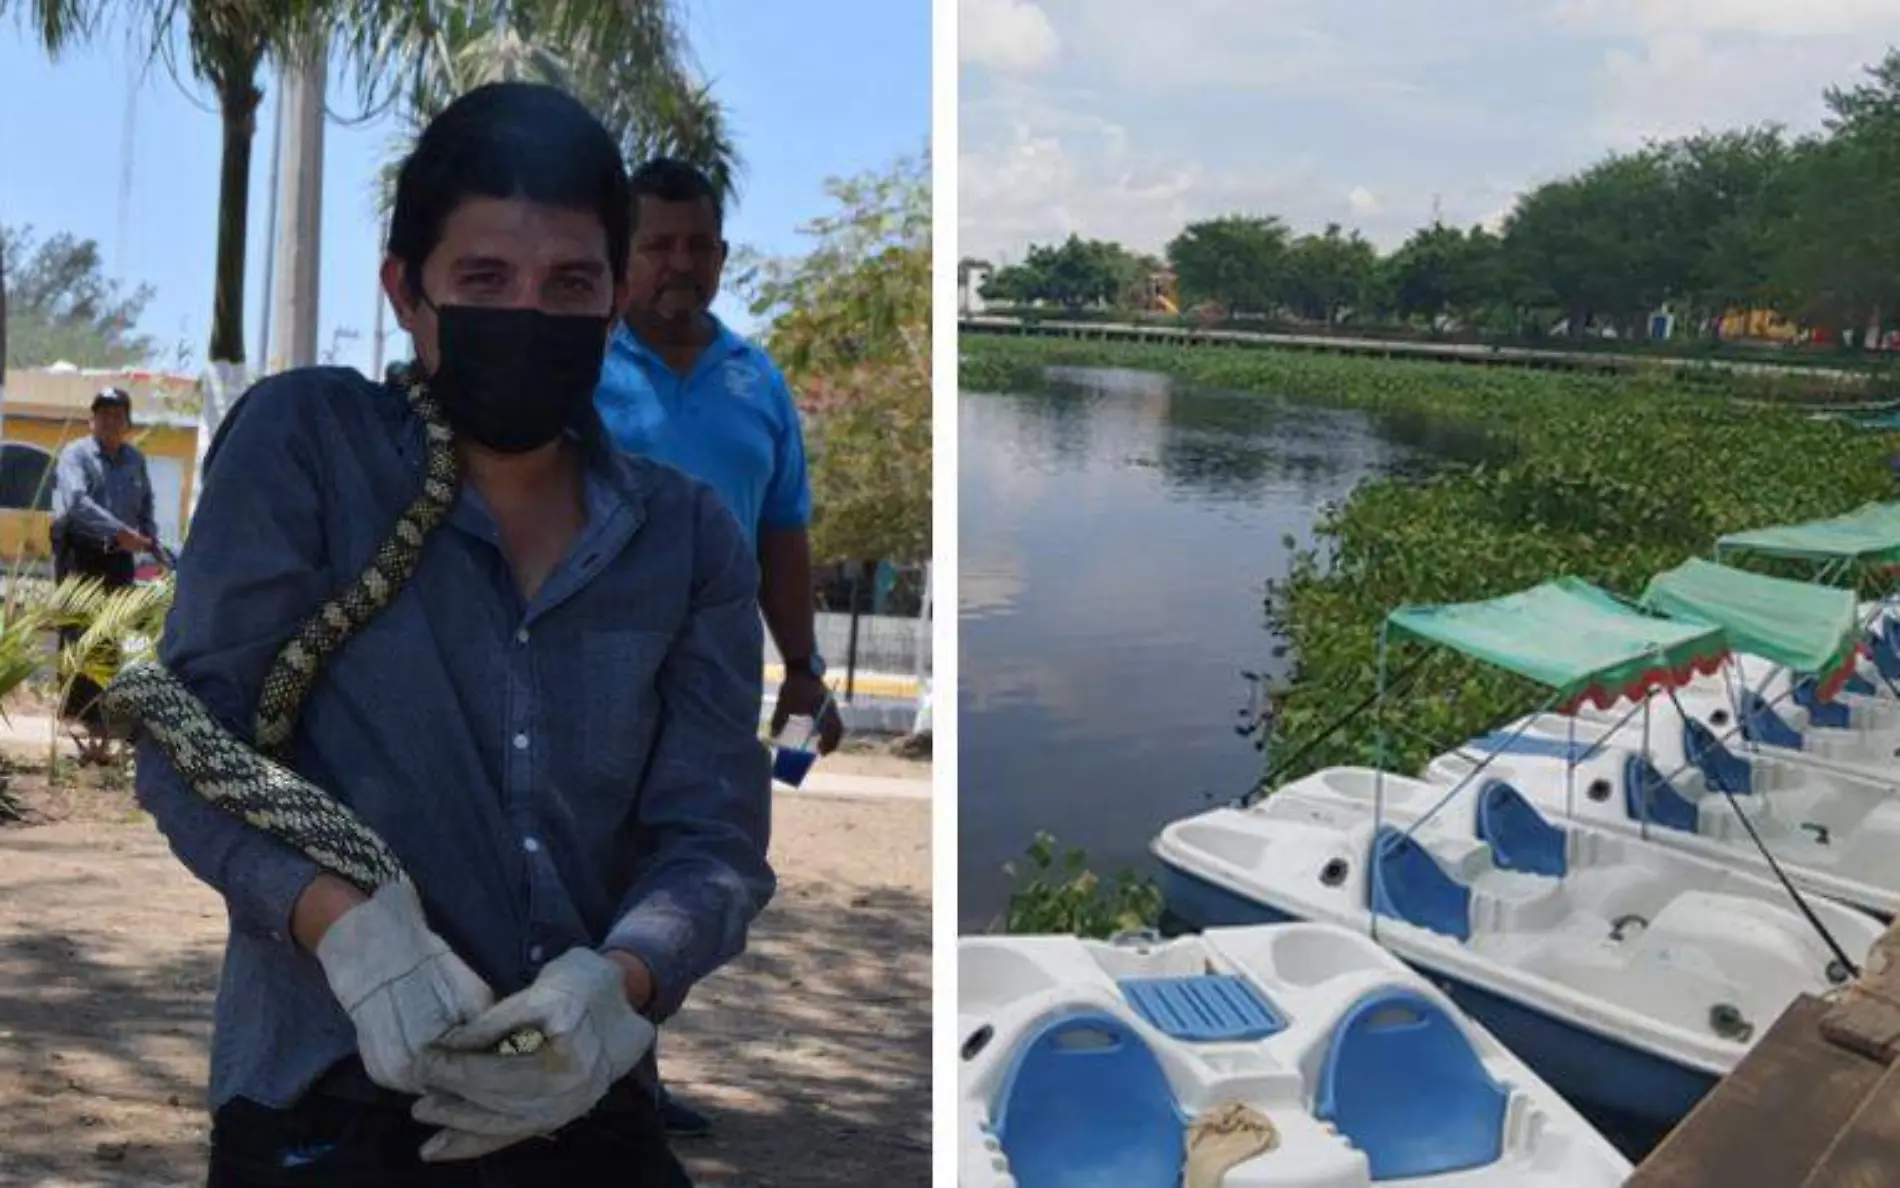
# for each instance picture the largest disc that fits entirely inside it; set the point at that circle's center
(581, 769)
(96, 496)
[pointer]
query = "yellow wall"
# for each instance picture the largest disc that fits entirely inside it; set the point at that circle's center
(1762, 324)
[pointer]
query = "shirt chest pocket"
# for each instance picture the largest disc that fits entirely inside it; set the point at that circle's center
(619, 701)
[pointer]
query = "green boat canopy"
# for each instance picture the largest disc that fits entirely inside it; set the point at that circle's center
(1571, 637)
(1870, 534)
(1800, 625)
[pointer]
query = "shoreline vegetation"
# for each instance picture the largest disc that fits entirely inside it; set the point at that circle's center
(1533, 474)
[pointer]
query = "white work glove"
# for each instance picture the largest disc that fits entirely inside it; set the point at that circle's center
(400, 983)
(485, 1101)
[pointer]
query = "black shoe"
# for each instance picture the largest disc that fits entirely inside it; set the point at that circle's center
(682, 1120)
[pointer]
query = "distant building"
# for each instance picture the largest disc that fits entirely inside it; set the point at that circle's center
(1758, 325)
(972, 275)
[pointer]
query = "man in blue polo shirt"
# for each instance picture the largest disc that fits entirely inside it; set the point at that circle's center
(681, 388)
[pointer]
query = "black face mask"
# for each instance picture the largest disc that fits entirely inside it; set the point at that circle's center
(515, 379)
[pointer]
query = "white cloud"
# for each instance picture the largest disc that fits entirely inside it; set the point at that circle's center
(1861, 19)
(1156, 115)
(1677, 83)
(1008, 35)
(1040, 183)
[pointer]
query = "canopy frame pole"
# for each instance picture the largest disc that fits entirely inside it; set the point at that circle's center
(1650, 762)
(1378, 782)
(1570, 786)
(1471, 776)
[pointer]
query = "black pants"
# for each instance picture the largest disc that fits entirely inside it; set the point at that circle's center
(346, 1131)
(115, 569)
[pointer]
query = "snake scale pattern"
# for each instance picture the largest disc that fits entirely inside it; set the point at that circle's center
(252, 781)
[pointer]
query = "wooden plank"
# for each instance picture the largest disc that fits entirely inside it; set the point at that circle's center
(1867, 1017)
(1771, 1120)
(1866, 1154)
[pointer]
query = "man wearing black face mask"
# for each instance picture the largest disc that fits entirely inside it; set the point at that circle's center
(552, 722)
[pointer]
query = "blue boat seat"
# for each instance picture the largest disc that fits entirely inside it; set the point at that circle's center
(1666, 806)
(1502, 742)
(1831, 714)
(1408, 884)
(1885, 644)
(1401, 1082)
(1519, 837)
(1204, 1008)
(1761, 724)
(1722, 768)
(1087, 1105)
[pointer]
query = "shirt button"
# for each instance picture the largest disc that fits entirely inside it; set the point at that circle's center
(521, 636)
(521, 742)
(534, 954)
(531, 845)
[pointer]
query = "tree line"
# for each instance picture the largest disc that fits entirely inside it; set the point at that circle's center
(1744, 219)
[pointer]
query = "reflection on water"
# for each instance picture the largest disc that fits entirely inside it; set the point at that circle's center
(1115, 537)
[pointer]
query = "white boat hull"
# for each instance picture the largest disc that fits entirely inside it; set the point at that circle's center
(1279, 1019)
(1632, 981)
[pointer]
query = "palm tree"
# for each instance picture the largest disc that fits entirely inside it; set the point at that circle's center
(628, 60)
(224, 43)
(626, 57)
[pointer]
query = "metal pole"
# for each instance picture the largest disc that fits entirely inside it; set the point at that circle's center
(270, 220)
(923, 656)
(376, 350)
(851, 648)
(300, 219)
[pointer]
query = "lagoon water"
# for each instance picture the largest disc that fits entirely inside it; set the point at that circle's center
(1116, 533)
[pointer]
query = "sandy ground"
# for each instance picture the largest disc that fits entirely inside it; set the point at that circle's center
(812, 1051)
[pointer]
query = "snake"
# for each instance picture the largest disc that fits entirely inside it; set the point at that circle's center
(254, 780)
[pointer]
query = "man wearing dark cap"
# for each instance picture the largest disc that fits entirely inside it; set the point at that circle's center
(102, 519)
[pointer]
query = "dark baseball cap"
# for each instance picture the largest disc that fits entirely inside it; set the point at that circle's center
(112, 398)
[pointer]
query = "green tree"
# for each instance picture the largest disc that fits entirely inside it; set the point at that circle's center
(849, 322)
(1600, 245)
(1442, 271)
(1073, 274)
(1329, 273)
(59, 305)
(1841, 256)
(1731, 199)
(1239, 261)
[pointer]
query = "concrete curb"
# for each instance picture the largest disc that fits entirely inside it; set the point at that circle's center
(844, 786)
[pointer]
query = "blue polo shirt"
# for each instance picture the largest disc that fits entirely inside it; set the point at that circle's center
(731, 424)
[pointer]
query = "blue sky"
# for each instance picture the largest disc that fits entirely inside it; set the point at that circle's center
(815, 89)
(1124, 119)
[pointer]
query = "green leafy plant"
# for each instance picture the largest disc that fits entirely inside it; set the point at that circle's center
(1059, 894)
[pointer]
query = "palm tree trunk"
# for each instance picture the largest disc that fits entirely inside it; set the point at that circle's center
(238, 100)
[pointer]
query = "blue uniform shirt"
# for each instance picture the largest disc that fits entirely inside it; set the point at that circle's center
(731, 424)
